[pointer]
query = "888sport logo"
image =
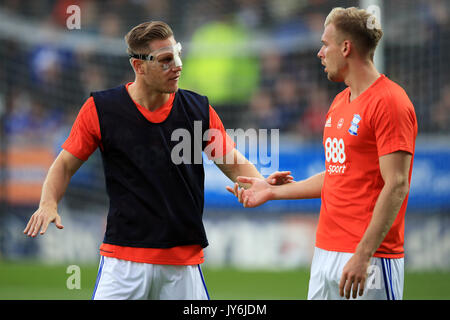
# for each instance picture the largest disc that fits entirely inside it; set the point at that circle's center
(335, 155)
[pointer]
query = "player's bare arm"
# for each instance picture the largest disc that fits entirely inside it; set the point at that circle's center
(53, 189)
(238, 165)
(261, 191)
(394, 169)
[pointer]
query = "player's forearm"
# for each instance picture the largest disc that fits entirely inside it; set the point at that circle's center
(54, 186)
(385, 212)
(235, 165)
(306, 189)
(57, 181)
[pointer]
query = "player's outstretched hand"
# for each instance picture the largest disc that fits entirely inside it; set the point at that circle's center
(40, 220)
(257, 194)
(280, 177)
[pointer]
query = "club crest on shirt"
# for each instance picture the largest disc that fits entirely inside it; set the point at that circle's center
(340, 123)
(354, 125)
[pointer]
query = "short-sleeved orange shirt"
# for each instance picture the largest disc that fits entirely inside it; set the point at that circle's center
(378, 122)
(85, 138)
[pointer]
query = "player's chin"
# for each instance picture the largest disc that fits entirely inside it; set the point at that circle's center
(171, 88)
(334, 77)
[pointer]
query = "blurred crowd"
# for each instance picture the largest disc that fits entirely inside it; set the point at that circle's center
(277, 84)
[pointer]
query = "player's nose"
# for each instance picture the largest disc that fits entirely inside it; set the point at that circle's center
(320, 54)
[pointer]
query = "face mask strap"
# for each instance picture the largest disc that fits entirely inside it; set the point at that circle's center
(148, 57)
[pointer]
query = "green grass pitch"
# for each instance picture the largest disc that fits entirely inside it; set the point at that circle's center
(28, 280)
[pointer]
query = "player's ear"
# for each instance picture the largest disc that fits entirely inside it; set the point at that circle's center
(346, 47)
(138, 66)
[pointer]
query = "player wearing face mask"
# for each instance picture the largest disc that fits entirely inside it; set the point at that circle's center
(154, 238)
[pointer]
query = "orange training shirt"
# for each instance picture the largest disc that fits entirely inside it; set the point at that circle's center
(378, 122)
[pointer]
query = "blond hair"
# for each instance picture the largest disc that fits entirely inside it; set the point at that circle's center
(139, 38)
(357, 25)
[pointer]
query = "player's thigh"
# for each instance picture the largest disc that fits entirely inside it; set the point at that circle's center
(121, 280)
(318, 286)
(326, 270)
(180, 283)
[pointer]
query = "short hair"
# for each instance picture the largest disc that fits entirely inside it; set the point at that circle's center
(139, 38)
(359, 25)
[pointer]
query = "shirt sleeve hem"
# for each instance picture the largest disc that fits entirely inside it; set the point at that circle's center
(74, 153)
(395, 149)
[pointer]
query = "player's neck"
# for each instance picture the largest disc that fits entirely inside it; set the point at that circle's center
(360, 77)
(147, 98)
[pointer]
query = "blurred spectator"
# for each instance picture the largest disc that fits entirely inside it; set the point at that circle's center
(46, 64)
(250, 13)
(18, 104)
(92, 78)
(158, 10)
(205, 12)
(285, 10)
(289, 23)
(14, 71)
(440, 113)
(288, 102)
(110, 25)
(263, 114)
(220, 64)
(310, 126)
(43, 122)
(30, 122)
(132, 12)
(271, 68)
(54, 75)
